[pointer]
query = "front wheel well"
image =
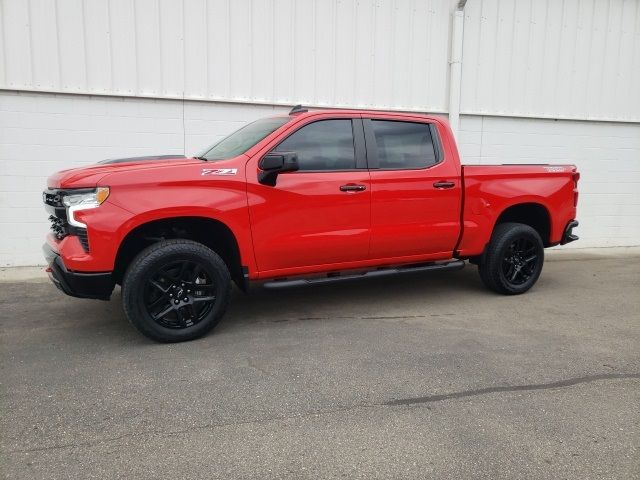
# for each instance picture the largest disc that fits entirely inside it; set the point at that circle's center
(209, 232)
(532, 214)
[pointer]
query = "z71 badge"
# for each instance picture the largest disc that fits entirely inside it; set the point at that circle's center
(219, 171)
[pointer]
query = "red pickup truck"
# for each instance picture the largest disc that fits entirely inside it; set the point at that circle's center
(309, 197)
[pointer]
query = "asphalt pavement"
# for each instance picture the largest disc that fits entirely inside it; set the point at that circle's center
(420, 376)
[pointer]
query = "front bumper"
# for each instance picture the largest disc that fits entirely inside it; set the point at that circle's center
(76, 284)
(568, 236)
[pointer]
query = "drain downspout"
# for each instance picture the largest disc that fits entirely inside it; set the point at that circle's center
(455, 67)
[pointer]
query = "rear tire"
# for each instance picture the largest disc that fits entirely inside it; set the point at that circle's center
(176, 290)
(513, 260)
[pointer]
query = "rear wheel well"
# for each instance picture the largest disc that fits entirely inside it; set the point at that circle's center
(532, 214)
(211, 233)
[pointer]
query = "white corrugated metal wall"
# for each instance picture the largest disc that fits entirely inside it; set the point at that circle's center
(318, 52)
(571, 59)
(574, 59)
(74, 74)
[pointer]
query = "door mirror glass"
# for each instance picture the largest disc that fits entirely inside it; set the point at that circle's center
(273, 164)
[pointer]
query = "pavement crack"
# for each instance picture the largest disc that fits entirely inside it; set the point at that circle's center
(317, 413)
(513, 388)
(194, 428)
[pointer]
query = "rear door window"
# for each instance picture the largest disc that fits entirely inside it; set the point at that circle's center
(403, 145)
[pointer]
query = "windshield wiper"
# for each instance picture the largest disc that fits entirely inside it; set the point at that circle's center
(201, 158)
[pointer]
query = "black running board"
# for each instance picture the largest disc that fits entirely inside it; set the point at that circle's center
(333, 278)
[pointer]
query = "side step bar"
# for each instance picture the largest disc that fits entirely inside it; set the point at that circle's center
(333, 278)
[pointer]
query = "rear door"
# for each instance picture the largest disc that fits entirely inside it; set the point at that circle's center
(415, 189)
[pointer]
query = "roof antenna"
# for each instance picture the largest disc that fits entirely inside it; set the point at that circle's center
(298, 109)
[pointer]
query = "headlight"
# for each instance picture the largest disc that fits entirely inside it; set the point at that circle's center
(83, 201)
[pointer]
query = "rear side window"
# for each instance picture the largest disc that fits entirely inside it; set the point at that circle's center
(403, 145)
(323, 145)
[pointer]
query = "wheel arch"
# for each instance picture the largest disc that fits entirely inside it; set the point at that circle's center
(211, 232)
(534, 214)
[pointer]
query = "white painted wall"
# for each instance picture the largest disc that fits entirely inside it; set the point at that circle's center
(115, 73)
(42, 133)
(607, 155)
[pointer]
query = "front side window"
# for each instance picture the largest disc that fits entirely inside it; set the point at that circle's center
(403, 145)
(322, 145)
(242, 140)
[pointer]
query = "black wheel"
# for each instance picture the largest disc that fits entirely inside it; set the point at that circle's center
(176, 290)
(513, 260)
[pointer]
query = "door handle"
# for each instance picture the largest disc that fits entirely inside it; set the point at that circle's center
(352, 187)
(442, 185)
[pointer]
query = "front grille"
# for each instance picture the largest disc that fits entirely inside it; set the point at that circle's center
(58, 218)
(59, 227)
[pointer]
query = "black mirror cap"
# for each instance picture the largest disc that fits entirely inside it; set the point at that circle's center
(281, 162)
(274, 163)
(290, 162)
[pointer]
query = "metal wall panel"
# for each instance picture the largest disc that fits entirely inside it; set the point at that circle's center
(576, 59)
(361, 53)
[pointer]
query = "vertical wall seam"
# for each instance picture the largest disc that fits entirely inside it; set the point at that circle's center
(589, 69)
(58, 50)
(411, 50)
(207, 40)
(184, 77)
(556, 70)
(31, 49)
(84, 47)
(511, 56)
(604, 52)
(110, 44)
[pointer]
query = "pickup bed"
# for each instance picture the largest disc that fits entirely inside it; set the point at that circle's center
(309, 197)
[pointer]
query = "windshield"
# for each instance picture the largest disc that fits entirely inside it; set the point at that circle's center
(242, 140)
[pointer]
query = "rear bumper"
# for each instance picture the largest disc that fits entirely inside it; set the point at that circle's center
(568, 236)
(76, 284)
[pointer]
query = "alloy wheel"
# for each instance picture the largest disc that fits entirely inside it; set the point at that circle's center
(520, 261)
(179, 294)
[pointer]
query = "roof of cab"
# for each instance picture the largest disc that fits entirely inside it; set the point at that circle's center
(303, 113)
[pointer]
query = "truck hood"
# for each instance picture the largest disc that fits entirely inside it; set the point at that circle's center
(90, 176)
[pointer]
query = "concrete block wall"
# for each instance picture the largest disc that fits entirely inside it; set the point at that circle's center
(607, 155)
(41, 133)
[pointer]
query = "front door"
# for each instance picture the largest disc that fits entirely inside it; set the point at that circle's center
(320, 214)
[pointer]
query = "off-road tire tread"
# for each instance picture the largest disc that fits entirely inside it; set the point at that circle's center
(491, 260)
(144, 260)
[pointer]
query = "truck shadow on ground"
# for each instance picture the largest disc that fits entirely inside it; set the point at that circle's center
(320, 302)
(323, 301)
(105, 321)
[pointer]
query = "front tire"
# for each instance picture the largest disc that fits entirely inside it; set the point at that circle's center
(513, 260)
(176, 290)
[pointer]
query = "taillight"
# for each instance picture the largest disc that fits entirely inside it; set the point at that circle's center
(576, 177)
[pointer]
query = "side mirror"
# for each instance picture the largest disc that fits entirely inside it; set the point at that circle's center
(273, 164)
